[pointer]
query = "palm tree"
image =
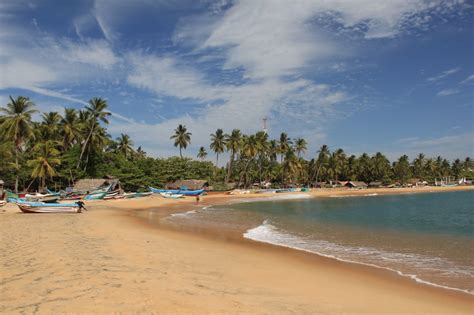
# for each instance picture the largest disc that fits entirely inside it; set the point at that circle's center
(181, 138)
(262, 150)
(218, 143)
(322, 160)
(419, 165)
(300, 146)
(69, 128)
(202, 153)
(233, 143)
(401, 169)
(140, 153)
(97, 112)
(284, 145)
(50, 125)
(291, 165)
(44, 162)
(125, 145)
(249, 151)
(17, 126)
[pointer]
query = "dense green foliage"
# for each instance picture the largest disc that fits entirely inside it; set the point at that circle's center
(65, 147)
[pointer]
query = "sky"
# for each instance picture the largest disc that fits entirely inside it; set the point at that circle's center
(392, 76)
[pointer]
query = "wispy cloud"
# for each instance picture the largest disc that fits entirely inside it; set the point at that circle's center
(443, 74)
(469, 79)
(447, 92)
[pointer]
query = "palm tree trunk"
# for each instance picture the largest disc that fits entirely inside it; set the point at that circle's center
(229, 170)
(180, 154)
(84, 146)
(17, 169)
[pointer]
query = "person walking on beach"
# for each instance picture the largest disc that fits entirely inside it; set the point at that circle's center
(197, 199)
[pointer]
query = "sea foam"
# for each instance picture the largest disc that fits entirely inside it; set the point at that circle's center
(267, 233)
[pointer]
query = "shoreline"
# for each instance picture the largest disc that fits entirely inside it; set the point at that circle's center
(197, 272)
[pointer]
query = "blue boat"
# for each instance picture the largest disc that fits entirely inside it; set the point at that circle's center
(177, 191)
(95, 196)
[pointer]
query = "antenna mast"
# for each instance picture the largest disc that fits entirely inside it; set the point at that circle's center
(265, 124)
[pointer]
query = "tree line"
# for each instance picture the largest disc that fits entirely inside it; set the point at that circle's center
(64, 147)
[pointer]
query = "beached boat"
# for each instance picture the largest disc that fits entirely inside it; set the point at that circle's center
(95, 196)
(111, 195)
(172, 196)
(177, 191)
(137, 194)
(41, 207)
(2, 203)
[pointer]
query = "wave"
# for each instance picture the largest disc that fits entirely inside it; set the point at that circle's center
(183, 214)
(267, 233)
(274, 198)
(354, 195)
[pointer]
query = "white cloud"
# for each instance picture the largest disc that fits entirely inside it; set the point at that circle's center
(443, 74)
(97, 53)
(447, 92)
(467, 80)
(448, 146)
(21, 73)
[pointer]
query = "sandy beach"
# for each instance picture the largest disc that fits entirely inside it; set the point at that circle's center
(109, 260)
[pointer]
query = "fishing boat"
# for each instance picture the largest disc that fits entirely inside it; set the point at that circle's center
(159, 191)
(177, 191)
(137, 194)
(95, 196)
(41, 207)
(172, 196)
(111, 195)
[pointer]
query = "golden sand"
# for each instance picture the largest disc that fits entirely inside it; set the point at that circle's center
(107, 260)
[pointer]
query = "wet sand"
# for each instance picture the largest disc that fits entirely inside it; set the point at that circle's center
(109, 260)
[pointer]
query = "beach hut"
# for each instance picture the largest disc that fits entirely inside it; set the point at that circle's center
(188, 184)
(93, 184)
(357, 185)
(375, 184)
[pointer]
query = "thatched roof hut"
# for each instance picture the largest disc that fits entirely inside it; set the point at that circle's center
(92, 184)
(189, 184)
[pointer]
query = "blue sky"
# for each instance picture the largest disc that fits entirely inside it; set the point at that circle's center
(393, 76)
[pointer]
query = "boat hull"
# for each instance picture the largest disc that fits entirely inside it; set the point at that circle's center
(26, 208)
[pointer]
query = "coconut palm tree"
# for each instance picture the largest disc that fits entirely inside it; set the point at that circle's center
(233, 143)
(248, 152)
(181, 138)
(17, 126)
(291, 166)
(46, 158)
(202, 153)
(284, 145)
(50, 125)
(97, 112)
(125, 145)
(218, 143)
(300, 146)
(69, 128)
(322, 160)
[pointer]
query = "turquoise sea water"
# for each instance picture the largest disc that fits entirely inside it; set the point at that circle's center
(428, 237)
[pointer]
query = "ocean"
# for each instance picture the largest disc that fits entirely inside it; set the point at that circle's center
(428, 237)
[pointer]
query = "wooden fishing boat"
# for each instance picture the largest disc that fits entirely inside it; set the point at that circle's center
(137, 194)
(159, 191)
(177, 191)
(41, 207)
(95, 196)
(110, 195)
(172, 196)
